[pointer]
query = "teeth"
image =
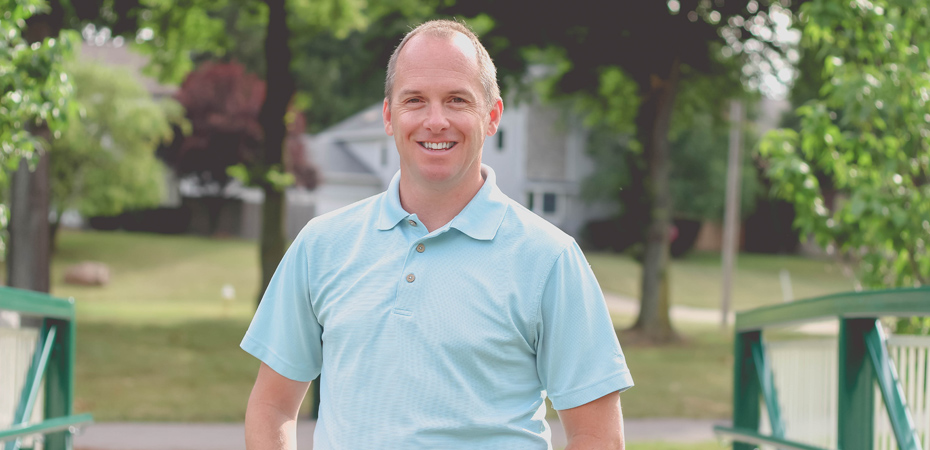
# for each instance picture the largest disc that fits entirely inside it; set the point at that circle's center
(438, 145)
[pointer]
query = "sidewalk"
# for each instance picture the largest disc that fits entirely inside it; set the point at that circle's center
(680, 313)
(230, 436)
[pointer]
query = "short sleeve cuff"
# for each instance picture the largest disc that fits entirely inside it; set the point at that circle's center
(618, 382)
(278, 364)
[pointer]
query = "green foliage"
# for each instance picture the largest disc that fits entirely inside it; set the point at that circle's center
(616, 103)
(864, 140)
(256, 175)
(339, 74)
(34, 90)
(175, 32)
(105, 163)
(913, 325)
(699, 140)
(175, 36)
(698, 144)
(340, 17)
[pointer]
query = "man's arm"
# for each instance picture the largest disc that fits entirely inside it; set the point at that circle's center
(597, 425)
(271, 416)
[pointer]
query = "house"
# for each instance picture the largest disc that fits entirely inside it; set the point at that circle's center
(538, 153)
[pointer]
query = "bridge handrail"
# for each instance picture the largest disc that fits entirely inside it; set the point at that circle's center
(752, 437)
(32, 303)
(891, 302)
(46, 426)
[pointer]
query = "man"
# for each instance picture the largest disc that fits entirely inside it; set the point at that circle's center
(440, 312)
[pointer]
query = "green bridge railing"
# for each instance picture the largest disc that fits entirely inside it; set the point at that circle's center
(53, 361)
(863, 363)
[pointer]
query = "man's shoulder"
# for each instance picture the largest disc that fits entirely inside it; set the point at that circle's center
(350, 217)
(525, 226)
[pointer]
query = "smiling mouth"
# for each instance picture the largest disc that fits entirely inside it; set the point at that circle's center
(437, 146)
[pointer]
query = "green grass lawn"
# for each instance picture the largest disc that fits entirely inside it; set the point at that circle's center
(696, 279)
(691, 379)
(159, 279)
(159, 343)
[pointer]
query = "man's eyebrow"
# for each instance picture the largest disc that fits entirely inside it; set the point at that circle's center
(460, 92)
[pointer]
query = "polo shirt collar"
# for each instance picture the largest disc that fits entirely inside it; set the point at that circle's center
(480, 219)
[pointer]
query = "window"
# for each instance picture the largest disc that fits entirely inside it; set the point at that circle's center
(500, 139)
(549, 203)
(529, 201)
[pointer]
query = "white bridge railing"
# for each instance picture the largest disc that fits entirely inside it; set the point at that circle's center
(17, 346)
(911, 355)
(805, 377)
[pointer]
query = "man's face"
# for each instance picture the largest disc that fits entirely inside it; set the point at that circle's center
(438, 114)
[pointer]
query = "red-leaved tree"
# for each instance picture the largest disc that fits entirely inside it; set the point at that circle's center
(223, 102)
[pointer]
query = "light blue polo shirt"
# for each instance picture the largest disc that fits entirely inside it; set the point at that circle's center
(449, 339)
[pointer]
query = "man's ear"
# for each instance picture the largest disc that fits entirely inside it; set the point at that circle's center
(386, 116)
(495, 117)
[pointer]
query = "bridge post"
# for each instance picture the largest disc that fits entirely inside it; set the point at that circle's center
(746, 387)
(856, 384)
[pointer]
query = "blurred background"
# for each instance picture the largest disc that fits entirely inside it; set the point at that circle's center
(158, 157)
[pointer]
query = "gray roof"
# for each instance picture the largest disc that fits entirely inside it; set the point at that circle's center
(368, 118)
(341, 159)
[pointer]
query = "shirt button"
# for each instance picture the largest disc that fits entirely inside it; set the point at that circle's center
(410, 278)
(412, 223)
(421, 248)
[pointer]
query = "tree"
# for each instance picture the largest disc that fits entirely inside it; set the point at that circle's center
(629, 67)
(858, 168)
(34, 106)
(171, 32)
(105, 164)
(698, 133)
(222, 103)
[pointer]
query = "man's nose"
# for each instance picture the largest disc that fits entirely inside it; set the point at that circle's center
(436, 119)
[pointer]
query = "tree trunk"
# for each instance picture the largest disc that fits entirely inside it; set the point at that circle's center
(29, 257)
(28, 260)
(281, 87)
(653, 121)
(53, 228)
(213, 204)
(272, 237)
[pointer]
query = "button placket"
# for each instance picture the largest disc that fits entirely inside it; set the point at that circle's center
(408, 289)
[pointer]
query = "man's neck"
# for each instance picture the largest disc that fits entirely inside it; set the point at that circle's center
(437, 207)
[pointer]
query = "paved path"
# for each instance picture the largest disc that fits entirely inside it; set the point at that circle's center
(230, 436)
(681, 313)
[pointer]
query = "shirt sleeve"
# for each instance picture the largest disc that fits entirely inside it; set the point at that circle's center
(285, 333)
(578, 356)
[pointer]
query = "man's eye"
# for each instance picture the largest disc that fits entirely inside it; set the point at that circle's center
(413, 100)
(458, 100)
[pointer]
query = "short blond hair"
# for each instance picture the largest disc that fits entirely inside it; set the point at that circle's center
(446, 29)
